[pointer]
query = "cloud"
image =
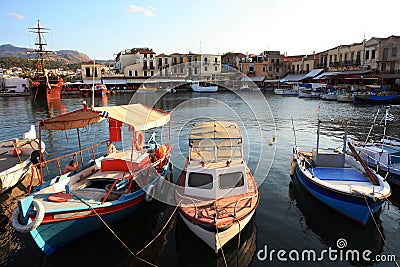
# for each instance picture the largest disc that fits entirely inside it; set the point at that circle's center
(17, 16)
(138, 9)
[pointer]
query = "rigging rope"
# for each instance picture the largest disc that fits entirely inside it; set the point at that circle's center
(216, 227)
(113, 233)
(379, 230)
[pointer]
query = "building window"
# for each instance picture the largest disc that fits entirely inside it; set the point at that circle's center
(272, 60)
(160, 62)
(277, 61)
(136, 73)
(130, 73)
(383, 67)
(335, 58)
(205, 60)
(145, 73)
(264, 69)
(216, 68)
(277, 70)
(205, 68)
(330, 58)
(216, 60)
(394, 51)
(367, 54)
(270, 69)
(372, 54)
(352, 56)
(152, 73)
(87, 72)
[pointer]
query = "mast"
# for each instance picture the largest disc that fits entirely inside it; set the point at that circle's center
(94, 71)
(40, 43)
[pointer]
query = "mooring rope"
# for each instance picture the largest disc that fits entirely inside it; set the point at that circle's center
(216, 228)
(165, 225)
(113, 233)
(380, 232)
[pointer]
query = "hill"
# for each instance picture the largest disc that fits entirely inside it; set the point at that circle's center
(68, 56)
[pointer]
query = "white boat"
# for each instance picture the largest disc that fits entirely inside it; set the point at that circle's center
(203, 87)
(329, 96)
(16, 158)
(216, 193)
(344, 95)
(287, 89)
(311, 90)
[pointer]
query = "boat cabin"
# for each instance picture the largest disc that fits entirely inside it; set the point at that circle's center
(216, 167)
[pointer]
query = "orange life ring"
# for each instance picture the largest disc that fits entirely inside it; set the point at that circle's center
(139, 144)
(59, 197)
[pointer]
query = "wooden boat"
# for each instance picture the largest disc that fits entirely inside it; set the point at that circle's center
(342, 182)
(16, 157)
(287, 90)
(99, 90)
(311, 90)
(102, 190)
(44, 85)
(216, 193)
(203, 87)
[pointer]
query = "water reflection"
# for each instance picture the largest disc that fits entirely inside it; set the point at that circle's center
(331, 226)
(239, 251)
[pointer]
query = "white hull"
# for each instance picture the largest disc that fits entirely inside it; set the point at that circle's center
(217, 240)
(204, 89)
(345, 98)
(280, 91)
(328, 97)
(308, 94)
(13, 175)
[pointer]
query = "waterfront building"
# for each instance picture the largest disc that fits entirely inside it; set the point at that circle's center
(210, 66)
(90, 69)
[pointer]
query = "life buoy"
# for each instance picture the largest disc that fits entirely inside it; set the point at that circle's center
(139, 144)
(32, 225)
(111, 149)
(149, 193)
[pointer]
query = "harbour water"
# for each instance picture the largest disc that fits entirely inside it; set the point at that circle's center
(287, 218)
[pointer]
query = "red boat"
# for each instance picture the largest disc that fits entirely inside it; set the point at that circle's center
(44, 85)
(99, 89)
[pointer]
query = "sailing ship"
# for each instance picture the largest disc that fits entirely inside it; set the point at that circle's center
(43, 85)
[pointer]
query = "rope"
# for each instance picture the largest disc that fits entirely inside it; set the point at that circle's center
(216, 227)
(238, 245)
(114, 234)
(379, 230)
(165, 225)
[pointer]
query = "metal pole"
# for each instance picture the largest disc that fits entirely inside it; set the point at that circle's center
(80, 147)
(94, 71)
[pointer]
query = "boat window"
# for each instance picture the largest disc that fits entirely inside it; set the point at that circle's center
(202, 180)
(231, 180)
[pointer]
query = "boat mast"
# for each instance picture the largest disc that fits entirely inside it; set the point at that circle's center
(40, 46)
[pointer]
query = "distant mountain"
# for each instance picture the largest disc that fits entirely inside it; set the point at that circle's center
(69, 56)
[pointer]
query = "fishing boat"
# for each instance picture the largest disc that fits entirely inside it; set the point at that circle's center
(287, 90)
(216, 193)
(344, 95)
(311, 90)
(97, 89)
(203, 87)
(44, 85)
(89, 194)
(382, 155)
(341, 181)
(376, 94)
(16, 158)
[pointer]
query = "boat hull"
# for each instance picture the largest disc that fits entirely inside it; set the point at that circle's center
(351, 206)
(279, 91)
(44, 92)
(215, 240)
(51, 235)
(13, 175)
(377, 99)
(204, 89)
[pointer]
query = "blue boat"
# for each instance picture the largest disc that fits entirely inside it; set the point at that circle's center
(377, 98)
(106, 189)
(341, 181)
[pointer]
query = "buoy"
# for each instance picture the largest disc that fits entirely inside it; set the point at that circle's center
(293, 166)
(32, 225)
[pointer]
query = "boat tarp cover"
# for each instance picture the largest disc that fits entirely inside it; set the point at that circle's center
(139, 116)
(339, 174)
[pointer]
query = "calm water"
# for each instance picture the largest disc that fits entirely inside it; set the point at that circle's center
(287, 217)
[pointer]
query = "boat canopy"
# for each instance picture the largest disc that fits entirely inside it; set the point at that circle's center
(139, 116)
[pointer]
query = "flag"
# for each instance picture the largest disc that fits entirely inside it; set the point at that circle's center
(389, 117)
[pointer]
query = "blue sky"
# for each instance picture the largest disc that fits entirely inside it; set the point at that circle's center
(102, 28)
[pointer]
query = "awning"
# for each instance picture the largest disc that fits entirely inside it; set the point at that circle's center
(353, 72)
(258, 78)
(91, 81)
(293, 78)
(326, 75)
(114, 81)
(139, 116)
(313, 73)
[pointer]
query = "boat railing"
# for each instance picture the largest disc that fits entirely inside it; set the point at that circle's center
(241, 199)
(376, 162)
(191, 199)
(36, 169)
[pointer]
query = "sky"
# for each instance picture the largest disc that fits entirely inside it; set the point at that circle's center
(101, 29)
